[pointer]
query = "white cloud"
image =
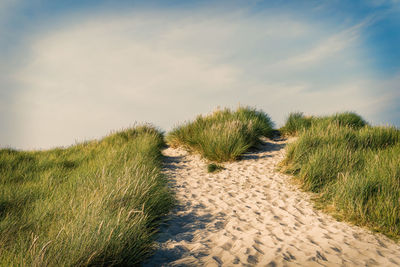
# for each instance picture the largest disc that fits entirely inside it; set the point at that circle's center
(103, 72)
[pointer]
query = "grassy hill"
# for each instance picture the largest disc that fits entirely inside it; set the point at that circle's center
(354, 167)
(100, 202)
(224, 134)
(95, 203)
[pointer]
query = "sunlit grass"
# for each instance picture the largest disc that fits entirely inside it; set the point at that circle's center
(95, 203)
(296, 121)
(353, 167)
(223, 135)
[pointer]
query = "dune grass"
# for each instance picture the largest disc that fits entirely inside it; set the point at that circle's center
(297, 122)
(353, 167)
(223, 135)
(212, 167)
(93, 204)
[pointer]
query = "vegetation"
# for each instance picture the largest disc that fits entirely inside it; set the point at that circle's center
(297, 122)
(212, 167)
(95, 203)
(223, 135)
(353, 167)
(99, 202)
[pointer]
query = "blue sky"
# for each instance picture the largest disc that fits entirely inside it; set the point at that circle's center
(76, 70)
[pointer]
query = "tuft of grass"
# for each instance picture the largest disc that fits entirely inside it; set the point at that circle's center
(223, 135)
(349, 119)
(213, 167)
(353, 167)
(297, 122)
(96, 203)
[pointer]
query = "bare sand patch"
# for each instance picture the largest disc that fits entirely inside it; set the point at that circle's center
(251, 215)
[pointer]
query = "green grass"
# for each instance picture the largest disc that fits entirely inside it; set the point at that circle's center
(95, 203)
(223, 135)
(99, 203)
(353, 167)
(212, 167)
(297, 122)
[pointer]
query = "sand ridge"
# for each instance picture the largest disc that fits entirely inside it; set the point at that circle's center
(251, 215)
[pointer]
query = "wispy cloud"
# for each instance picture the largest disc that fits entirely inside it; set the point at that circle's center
(97, 72)
(329, 47)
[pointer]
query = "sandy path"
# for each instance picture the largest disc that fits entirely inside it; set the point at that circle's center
(250, 215)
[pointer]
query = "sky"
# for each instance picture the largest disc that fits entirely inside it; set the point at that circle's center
(72, 71)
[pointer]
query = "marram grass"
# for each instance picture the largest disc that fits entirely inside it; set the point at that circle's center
(354, 169)
(223, 135)
(96, 203)
(212, 167)
(297, 122)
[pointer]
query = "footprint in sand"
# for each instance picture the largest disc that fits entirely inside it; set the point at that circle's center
(250, 215)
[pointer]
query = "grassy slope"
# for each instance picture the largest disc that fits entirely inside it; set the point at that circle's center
(98, 203)
(223, 135)
(354, 167)
(95, 203)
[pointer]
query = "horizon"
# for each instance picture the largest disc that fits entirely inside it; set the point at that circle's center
(72, 72)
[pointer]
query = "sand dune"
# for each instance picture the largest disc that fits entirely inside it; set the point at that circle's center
(251, 215)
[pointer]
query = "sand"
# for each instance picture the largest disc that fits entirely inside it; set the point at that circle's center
(251, 215)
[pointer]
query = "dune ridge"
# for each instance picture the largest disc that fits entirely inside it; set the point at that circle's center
(251, 215)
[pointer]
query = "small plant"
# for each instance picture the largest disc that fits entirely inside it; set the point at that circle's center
(212, 167)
